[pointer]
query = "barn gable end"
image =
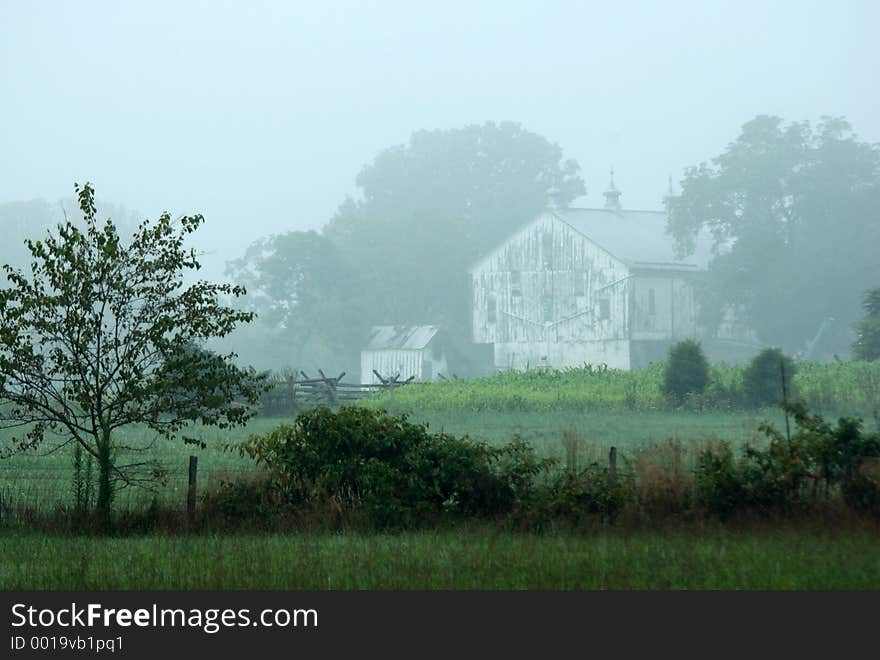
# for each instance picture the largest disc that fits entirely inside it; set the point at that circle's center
(600, 286)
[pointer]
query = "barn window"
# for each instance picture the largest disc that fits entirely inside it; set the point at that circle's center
(580, 284)
(515, 283)
(652, 308)
(548, 307)
(491, 309)
(604, 309)
(547, 250)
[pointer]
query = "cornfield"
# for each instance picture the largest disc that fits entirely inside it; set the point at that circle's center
(829, 388)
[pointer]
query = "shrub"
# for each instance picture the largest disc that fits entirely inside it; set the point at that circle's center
(393, 471)
(687, 371)
(789, 471)
(577, 496)
(838, 455)
(762, 379)
(663, 477)
(717, 484)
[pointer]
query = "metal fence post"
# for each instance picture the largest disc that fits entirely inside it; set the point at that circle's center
(191, 491)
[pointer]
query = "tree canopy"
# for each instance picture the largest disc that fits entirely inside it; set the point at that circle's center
(102, 334)
(426, 211)
(299, 283)
(794, 214)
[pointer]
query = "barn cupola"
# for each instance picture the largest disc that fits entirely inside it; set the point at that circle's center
(670, 192)
(612, 195)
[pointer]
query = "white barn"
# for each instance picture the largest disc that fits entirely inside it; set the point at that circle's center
(406, 351)
(599, 286)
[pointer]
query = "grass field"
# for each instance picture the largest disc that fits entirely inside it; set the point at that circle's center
(700, 556)
(851, 388)
(42, 481)
(600, 408)
(467, 559)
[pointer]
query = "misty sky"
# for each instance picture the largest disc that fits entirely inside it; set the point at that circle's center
(260, 115)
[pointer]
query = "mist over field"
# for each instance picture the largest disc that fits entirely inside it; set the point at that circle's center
(508, 294)
(272, 118)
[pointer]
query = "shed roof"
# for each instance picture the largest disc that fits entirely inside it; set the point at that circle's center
(400, 337)
(637, 237)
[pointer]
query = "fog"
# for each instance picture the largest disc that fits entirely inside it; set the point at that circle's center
(261, 115)
(261, 118)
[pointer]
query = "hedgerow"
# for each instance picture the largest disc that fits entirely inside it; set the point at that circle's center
(355, 466)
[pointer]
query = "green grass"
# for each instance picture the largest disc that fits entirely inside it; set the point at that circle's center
(481, 558)
(602, 429)
(600, 407)
(42, 481)
(839, 387)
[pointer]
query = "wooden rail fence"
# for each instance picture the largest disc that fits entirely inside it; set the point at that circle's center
(333, 391)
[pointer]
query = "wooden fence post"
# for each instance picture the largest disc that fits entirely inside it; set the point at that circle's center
(785, 400)
(191, 491)
(612, 467)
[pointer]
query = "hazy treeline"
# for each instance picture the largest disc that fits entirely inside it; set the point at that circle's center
(792, 209)
(400, 251)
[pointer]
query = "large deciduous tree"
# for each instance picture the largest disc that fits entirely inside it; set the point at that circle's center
(400, 251)
(303, 289)
(794, 212)
(102, 334)
(429, 209)
(20, 220)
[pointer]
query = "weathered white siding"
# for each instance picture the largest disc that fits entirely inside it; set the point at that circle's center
(424, 364)
(549, 296)
(615, 353)
(389, 363)
(663, 306)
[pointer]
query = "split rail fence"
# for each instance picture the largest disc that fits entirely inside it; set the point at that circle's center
(296, 392)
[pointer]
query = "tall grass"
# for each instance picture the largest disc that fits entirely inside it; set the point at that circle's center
(838, 387)
(464, 559)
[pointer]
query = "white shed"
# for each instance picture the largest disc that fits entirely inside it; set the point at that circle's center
(406, 351)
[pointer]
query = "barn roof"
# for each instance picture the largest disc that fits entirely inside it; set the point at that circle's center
(400, 337)
(636, 237)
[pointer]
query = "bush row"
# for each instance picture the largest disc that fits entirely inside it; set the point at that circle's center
(768, 380)
(364, 467)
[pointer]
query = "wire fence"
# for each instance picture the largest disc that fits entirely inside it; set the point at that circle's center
(35, 487)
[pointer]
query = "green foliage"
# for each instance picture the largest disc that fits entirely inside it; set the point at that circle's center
(717, 486)
(536, 390)
(867, 344)
(687, 371)
(392, 471)
(400, 253)
(396, 473)
(837, 455)
(298, 282)
(762, 379)
(99, 336)
(830, 387)
(795, 210)
(789, 472)
(576, 495)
